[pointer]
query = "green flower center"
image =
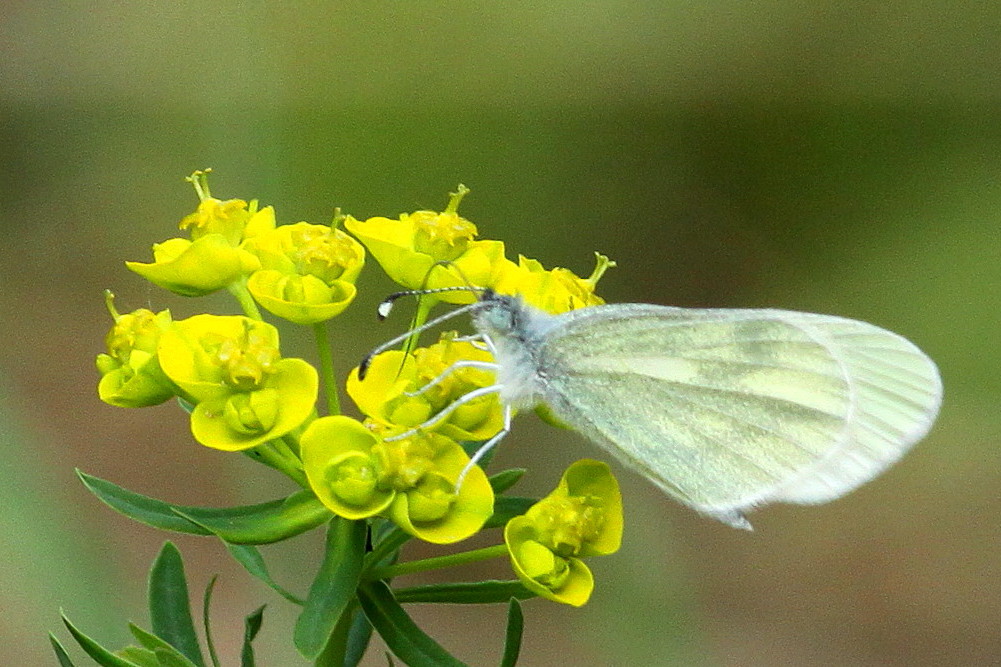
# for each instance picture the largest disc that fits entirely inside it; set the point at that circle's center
(324, 253)
(135, 331)
(566, 524)
(431, 499)
(353, 479)
(252, 413)
(443, 236)
(402, 464)
(542, 565)
(246, 361)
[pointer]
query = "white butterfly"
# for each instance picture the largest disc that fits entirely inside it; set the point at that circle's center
(723, 409)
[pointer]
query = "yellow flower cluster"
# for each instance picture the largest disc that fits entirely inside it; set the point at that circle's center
(406, 461)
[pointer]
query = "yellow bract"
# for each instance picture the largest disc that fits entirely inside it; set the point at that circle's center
(411, 481)
(196, 268)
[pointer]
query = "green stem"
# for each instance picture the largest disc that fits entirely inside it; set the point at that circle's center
(239, 290)
(272, 457)
(424, 306)
(390, 543)
(328, 378)
(452, 560)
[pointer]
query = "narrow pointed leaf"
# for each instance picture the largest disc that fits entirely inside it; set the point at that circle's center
(142, 508)
(512, 639)
(407, 641)
(166, 657)
(250, 558)
(61, 655)
(334, 587)
(505, 479)
(251, 626)
(169, 607)
(139, 655)
(206, 625)
(253, 524)
(153, 643)
(359, 637)
(506, 508)
(261, 524)
(335, 650)
(101, 655)
(475, 592)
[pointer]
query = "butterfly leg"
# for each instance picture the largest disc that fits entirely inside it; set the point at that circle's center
(476, 340)
(447, 410)
(486, 447)
(468, 363)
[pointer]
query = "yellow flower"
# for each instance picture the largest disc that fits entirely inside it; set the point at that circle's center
(308, 271)
(130, 373)
(425, 249)
(392, 392)
(411, 481)
(581, 518)
(244, 392)
(232, 218)
(555, 291)
(212, 259)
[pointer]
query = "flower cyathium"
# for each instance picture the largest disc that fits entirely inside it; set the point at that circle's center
(408, 390)
(357, 474)
(307, 271)
(427, 249)
(555, 291)
(130, 372)
(244, 392)
(581, 518)
(212, 259)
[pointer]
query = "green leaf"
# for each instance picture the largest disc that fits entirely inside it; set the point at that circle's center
(334, 587)
(475, 592)
(249, 524)
(358, 639)
(167, 657)
(146, 510)
(506, 508)
(153, 643)
(169, 607)
(512, 638)
(251, 626)
(101, 655)
(206, 625)
(250, 558)
(139, 655)
(261, 524)
(505, 479)
(61, 654)
(407, 641)
(335, 650)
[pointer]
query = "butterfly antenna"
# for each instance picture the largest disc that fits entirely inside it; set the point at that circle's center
(367, 360)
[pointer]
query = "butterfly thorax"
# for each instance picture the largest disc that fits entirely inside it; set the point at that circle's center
(516, 331)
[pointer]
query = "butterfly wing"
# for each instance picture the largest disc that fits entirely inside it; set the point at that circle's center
(729, 409)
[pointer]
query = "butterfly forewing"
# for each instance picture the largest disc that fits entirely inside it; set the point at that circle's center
(726, 409)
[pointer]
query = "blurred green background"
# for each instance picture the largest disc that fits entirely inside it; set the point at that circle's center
(823, 156)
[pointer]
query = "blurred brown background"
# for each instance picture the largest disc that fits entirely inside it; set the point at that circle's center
(822, 156)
